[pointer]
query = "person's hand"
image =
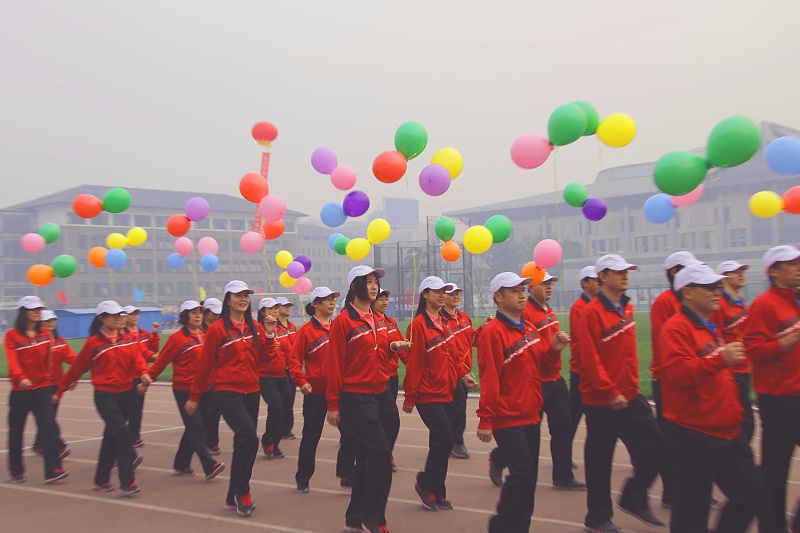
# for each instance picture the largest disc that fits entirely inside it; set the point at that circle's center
(469, 381)
(733, 354)
(141, 388)
(306, 389)
(147, 379)
(560, 340)
(619, 403)
(190, 407)
(25, 384)
(400, 346)
(333, 418)
(73, 386)
(408, 408)
(55, 398)
(269, 326)
(156, 325)
(485, 435)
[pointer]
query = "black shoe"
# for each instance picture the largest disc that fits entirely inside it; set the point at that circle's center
(277, 453)
(105, 487)
(303, 488)
(645, 515)
(129, 489)
(56, 475)
(138, 443)
(573, 484)
(185, 472)
(371, 528)
(345, 483)
(244, 504)
(350, 528)
(606, 527)
(428, 499)
(19, 478)
(444, 505)
(394, 466)
(460, 451)
(215, 471)
(64, 452)
(289, 436)
(214, 450)
(137, 461)
(495, 473)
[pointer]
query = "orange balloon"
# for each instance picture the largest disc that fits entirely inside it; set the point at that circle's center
(389, 166)
(451, 251)
(97, 256)
(253, 187)
(178, 225)
(532, 270)
(791, 200)
(273, 229)
(40, 275)
(87, 206)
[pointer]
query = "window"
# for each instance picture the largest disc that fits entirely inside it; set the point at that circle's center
(705, 240)
(641, 244)
(762, 231)
(223, 245)
(16, 223)
(121, 219)
(614, 245)
(161, 222)
(688, 240)
(289, 226)
(82, 241)
(738, 237)
(219, 223)
(631, 224)
(659, 242)
(599, 247)
(84, 290)
(237, 224)
(74, 219)
(202, 224)
(727, 215)
(100, 220)
(143, 221)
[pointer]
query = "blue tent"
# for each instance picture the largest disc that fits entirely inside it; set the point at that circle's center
(74, 323)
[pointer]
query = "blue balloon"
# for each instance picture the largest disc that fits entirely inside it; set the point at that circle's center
(332, 214)
(176, 260)
(116, 258)
(209, 262)
(659, 209)
(332, 240)
(783, 155)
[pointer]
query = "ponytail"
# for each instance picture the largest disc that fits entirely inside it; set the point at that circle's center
(94, 327)
(422, 306)
(310, 308)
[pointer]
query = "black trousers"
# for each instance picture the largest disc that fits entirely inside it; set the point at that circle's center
(604, 426)
(667, 465)
(211, 416)
(520, 447)
(360, 422)
(748, 424)
(240, 412)
(315, 409)
(390, 415)
(559, 422)
(780, 433)
(135, 417)
(59, 440)
(289, 392)
(115, 410)
(575, 406)
(458, 410)
(271, 392)
(436, 417)
(38, 401)
(193, 440)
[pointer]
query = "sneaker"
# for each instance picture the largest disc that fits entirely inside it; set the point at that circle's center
(345, 483)
(215, 470)
(278, 453)
(130, 488)
(185, 472)
(495, 473)
(460, 451)
(214, 451)
(394, 466)
(244, 504)
(573, 484)
(444, 505)
(105, 487)
(18, 479)
(303, 489)
(428, 499)
(137, 461)
(230, 506)
(138, 443)
(352, 529)
(64, 452)
(644, 515)
(606, 527)
(38, 450)
(56, 475)
(370, 528)
(273, 452)
(289, 436)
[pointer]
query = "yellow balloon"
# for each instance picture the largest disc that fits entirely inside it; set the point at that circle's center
(451, 159)
(616, 130)
(283, 258)
(116, 240)
(765, 204)
(358, 249)
(286, 280)
(378, 231)
(137, 236)
(477, 240)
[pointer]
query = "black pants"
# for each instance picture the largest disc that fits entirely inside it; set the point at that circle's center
(436, 417)
(360, 422)
(289, 392)
(780, 433)
(137, 408)
(458, 410)
(240, 412)
(667, 464)
(38, 401)
(559, 422)
(748, 424)
(115, 410)
(575, 406)
(604, 426)
(211, 416)
(271, 392)
(61, 444)
(390, 415)
(193, 440)
(315, 409)
(520, 447)
(346, 457)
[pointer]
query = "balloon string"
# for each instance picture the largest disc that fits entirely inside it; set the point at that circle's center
(194, 267)
(417, 266)
(269, 270)
(556, 199)
(111, 282)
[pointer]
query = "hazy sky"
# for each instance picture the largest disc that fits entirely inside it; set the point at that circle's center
(163, 94)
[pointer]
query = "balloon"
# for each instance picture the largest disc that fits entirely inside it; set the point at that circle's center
(575, 194)
(532, 270)
(51, 232)
(272, 207)
(196, 209)
(64, 266)
(264, 133)
(273, 229)
(500, 227)
(434, 180)
(356, 203)
(283, 258)
(445, 228)
(332, 214)
(253, 187)
(296, 269)
(477, 240)
(340, 246)
(116, 200)
(765, 204)
(40, 275)
(116, 240)
(566, 124)
(209, 262)
(116, 258)
(357, 249)
(733, 141)
(679, 172)
(389, 166)
(451, 159)
(176, 261)
(302, 286)
(592, 118)
(378, 231)
(332, 240)
(32, 242)
(451, 251)
(207, 245)
(547, 253)
(616, 130)
(791, 200)
(530, 151)
(178, 225)
(87, 206)
(184, 246)
(690, 198)
(97, 256)
(410, 139)
(251, 242)
(324, 160)
(136, 236)
(658, 208)
(783, 155)
(343, 178)
(594, 209)
(286, 280)
(305, 261)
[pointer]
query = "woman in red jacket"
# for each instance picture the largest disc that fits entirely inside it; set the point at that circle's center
(212, 310)
(285, 334)
(148, 345)
(183, 349)
(272, 384)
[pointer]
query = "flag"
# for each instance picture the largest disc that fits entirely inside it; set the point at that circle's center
(138, 297)
(62, 296)
(202, 293)
(260, 290)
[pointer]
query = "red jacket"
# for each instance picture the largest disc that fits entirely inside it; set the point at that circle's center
(575, 317)
(62, 353)
(114, 361)
(285, 337)
(773, 315)
(393, 333)
(697, 390)
(463, 334)
(148, 343)
(183, 349)
(609, 360)
(664, 307)
(29, 358)
(508, 365)
(275, 365)
(310, 350)
(546, 321)
(730, 318)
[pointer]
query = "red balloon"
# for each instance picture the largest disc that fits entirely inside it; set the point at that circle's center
(264, 133)
(791, 200)
(87, 206)
(273, 229)
(389, 166)
(253, 187)
(178, 225)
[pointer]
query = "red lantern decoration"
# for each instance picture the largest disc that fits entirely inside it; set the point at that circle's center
(264, 133)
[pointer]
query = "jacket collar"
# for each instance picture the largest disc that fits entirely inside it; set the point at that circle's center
(611, 306)
(585, 297)
(510, 323)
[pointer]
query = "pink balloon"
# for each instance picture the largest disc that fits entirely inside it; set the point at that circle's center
(690, 198)
(32, 242)
(207, 245)
(343, 178)
(530, 151)
(547, 253)
(251, 242)
(184, 246)
(302, 286)
(272, 207)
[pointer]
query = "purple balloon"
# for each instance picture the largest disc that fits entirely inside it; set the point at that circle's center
(324, 160)
(356, 203)
(434, 180)
(296, 269)
(594, 209)
(196, 209)
(305, 260)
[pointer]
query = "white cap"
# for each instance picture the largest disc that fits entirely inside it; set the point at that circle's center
(280, 300)
(387, 292)
(130, 309)
(188, 305)
(109, 307)
(682, 258)
(613, 262)
(549, 277)
(363, 270)
(730, 266)
(779, 253)
(269, 303)
(507, 279)
(213, 305)
(699, 273)
(31, 302)
(587, 272)
(236, 286)
(435, 283)
(324, 292)
(455, 288)
(47, 315)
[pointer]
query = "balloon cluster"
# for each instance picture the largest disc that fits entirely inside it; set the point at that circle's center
(767, 204)
(207, 247)
(115, 200)
(254, 188)
(62, 266)
(114, 255)
(783, 156)
(576, 195)
(324, 161)
(477, 239)
(35, 242)
(296, 269)
(546, 253)
(358, 248)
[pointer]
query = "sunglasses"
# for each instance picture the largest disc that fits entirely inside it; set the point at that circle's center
(710, 287)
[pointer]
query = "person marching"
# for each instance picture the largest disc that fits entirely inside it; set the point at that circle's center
(30, 369)
(148, 345)
(183, 350)
(613, 406)
(113, 359)
(232, 349)
(772, 342)
(285, 334)
(271, 381)
(212, 310)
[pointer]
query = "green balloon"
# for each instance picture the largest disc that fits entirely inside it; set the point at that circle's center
(340, 245)
(567, 124)
(500, 228)
(116, 200)
(64, 266)
(51, 232)
(445, 228)
(592, 118)
(575, 194)
(733, 141)
(410, 139)
(679, 172)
